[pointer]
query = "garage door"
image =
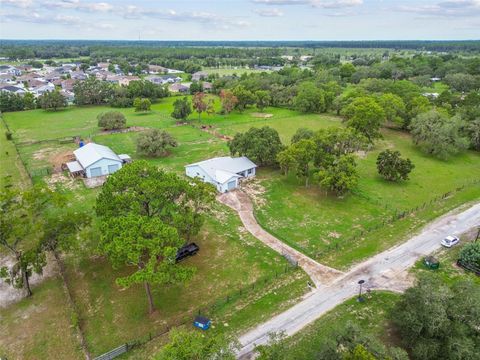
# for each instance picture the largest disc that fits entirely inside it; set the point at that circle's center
(112, 168)
(231, 185)
(96, 171)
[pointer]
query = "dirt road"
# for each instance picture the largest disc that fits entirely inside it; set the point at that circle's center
(387, 270)
(240, 202)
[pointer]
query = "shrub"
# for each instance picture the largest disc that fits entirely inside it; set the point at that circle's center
(392, 167)
(470, 254)
(111, 120)
(154, 142)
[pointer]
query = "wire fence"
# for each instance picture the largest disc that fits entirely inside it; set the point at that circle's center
(389, 220)
(208, 310)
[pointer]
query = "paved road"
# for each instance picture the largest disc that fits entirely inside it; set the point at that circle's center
(387, 270)
(240, 202)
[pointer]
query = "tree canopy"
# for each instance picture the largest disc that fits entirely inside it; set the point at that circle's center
(192, 345)
(111, 120)
(155, 142)
(392, 167)
(147, 214)
(438, 134)
(181, 109)
(52, 100)
(365, 116)
(437, 321)
(261, 145)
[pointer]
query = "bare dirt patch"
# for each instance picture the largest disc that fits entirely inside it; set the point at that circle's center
(58, 159)
(261, 115)
(255, 190)
(121, 131)
(213, 131)
(8, 294)
(63, 180)
(54, 156)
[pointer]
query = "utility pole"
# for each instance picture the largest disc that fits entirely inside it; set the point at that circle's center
(360, 298)
(478, 234)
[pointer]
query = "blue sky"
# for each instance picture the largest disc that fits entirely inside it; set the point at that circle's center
(240, 19)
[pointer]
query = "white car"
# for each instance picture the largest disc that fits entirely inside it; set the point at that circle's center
(450, 240)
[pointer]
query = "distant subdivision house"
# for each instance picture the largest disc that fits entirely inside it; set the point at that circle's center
(223, 172)
(94, 160)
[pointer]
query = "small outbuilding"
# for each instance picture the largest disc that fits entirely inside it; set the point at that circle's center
(93, 160)
(223, 172)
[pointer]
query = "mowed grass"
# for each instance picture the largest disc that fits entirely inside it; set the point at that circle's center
(39, 327)
(38, 125)
(193, 145)
(326, 230)
(285, 121)
(12, 172)
(229, 259)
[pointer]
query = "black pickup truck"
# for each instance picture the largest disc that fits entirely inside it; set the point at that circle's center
(186, 251)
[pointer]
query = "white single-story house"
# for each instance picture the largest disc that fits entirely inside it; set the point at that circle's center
(94, 160)
(223, 172)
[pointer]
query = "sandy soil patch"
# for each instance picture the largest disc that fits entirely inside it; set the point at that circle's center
(254, 190)
(9, 294)
(261, 115)
(63, 180)
(54, 156)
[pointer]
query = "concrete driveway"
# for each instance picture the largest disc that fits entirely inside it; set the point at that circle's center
(241, 203)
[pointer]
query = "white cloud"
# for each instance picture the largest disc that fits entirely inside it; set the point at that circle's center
(336, 4)
(269, 12)
(449, 8)
(78, 5)
(282, 2)
(17, 3)
(326, 4)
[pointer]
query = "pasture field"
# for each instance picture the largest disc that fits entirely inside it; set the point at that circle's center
(230, 262)
(12, 171)
(336, 231)
(339, 232)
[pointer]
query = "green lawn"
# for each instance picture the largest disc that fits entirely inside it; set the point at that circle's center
(37, 125)
(229, 259)
(12, 172)
(39, 327)
(326, 230)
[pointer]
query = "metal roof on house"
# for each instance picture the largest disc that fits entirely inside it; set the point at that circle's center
(222, 169)
(74, 166)
(124, 157)
(91, 153)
